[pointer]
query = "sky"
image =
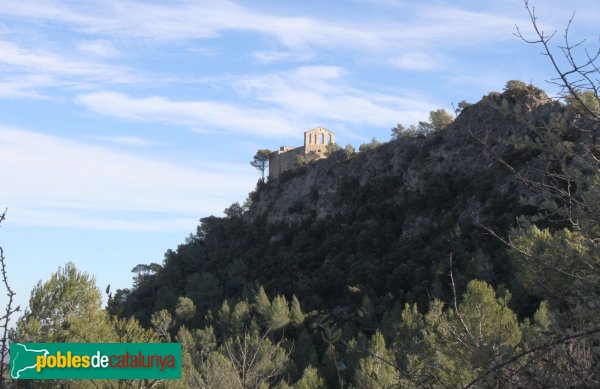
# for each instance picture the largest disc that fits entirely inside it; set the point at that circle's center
(122, 123)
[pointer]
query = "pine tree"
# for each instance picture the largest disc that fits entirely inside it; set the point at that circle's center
(262, 305)
(279, 313)
(296, 315)
(239, 317)
(472, 337)
(66, 308)
(185, 309)
(310, 380)
(162, 323)
(377, 368)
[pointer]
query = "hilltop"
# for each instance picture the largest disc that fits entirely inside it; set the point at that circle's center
(382, 223)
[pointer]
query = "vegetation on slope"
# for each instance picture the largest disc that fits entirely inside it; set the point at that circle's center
(370, 261)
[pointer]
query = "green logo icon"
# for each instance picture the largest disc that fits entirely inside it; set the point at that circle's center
(95, 361)
(23, 358)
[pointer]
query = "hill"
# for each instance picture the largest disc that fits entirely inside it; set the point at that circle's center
(381, 223)
(457, 257)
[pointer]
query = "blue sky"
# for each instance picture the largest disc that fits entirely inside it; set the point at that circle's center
(122, 123)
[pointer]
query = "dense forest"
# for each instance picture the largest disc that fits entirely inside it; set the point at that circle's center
(454, 255)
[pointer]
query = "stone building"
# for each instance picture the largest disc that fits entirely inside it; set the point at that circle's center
(288, 157)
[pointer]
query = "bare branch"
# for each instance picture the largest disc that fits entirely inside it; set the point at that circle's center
(9, 311)
(570, 89)
(533, 350)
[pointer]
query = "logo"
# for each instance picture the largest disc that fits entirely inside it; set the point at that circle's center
(95, 361)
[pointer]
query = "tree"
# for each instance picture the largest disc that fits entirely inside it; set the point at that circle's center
(262, 305)
(461, 106)
(310, 380)
(256, 360)
(412, 131)
(377, 368)
(66, 308)
(234, 210)
(278, 314)
(349, 150)
(372, 145)
(398, 131)
(438, 120)
(331, 148)
(261, 161)
(203, 288)
(577, 73)
(556, 251)
(162, 323)
(296, 315)
(467, 340)
(185, 309)
(300, 160)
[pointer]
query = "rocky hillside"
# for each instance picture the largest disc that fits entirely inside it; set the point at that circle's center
(454, 168)
(382, 223)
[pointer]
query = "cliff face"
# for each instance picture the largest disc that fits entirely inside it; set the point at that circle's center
(382, 222)
(461, 159)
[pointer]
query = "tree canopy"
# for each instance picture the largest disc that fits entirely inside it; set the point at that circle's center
(261, 161)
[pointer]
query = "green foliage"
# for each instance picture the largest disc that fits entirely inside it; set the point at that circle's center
(304, 352)
(234, 210)
(278, 314)
(262, 303)
(237, 274)
(310, 380)
(398, 131)
(438, 120)
(331, 148)
(471, 338)
(218, 371)
(261, 161)
(300, 160)
(366, 250)
(239, 317)
(255, 359)
(203, 289)
(130, 331)
(412, 131)
(462, 105)
(185, 309)
(66, 308)
(583, 102)
(372, 145)
(162, 322)
(377, 369)
(349, 150)
(296, 314)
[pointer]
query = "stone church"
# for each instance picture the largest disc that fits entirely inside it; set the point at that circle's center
(288, 157)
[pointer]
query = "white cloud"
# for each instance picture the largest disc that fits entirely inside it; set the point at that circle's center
(35, 73)
(320, 92)
(195, 114)
(38, 61)
(126, 140)
(48, 180)
(208, 19)
(415, 61)
(189, 20)
(296, 99)
(25, 86)
(101, 48)
(281, 56)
